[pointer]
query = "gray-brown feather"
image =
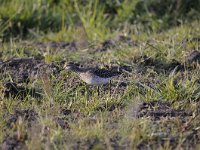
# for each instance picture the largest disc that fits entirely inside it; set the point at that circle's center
(103, 73)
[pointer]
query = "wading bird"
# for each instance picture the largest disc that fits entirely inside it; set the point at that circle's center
(93, 76)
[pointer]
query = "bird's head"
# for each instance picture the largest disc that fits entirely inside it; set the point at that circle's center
(72, 67)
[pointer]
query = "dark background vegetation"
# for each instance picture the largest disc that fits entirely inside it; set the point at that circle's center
(17, 17)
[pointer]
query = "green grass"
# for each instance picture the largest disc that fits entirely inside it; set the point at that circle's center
(100, 122)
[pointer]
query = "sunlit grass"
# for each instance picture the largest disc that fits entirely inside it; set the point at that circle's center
(104, 120)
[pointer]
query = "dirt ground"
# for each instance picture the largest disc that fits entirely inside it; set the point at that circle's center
(25, 70)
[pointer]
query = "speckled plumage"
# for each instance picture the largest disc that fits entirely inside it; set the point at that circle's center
(93, 76)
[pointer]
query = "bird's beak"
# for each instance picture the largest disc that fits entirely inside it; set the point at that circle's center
(66, 66)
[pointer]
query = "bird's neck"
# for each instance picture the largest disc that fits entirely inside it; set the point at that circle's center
(76, 69)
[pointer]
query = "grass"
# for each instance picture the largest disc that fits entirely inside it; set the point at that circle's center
(64, 118)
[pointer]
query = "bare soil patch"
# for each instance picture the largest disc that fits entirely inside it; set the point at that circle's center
(158, 109)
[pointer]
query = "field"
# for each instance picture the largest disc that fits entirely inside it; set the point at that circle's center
(154, 103)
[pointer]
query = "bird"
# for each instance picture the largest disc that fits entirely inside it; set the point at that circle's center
(93, 76)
